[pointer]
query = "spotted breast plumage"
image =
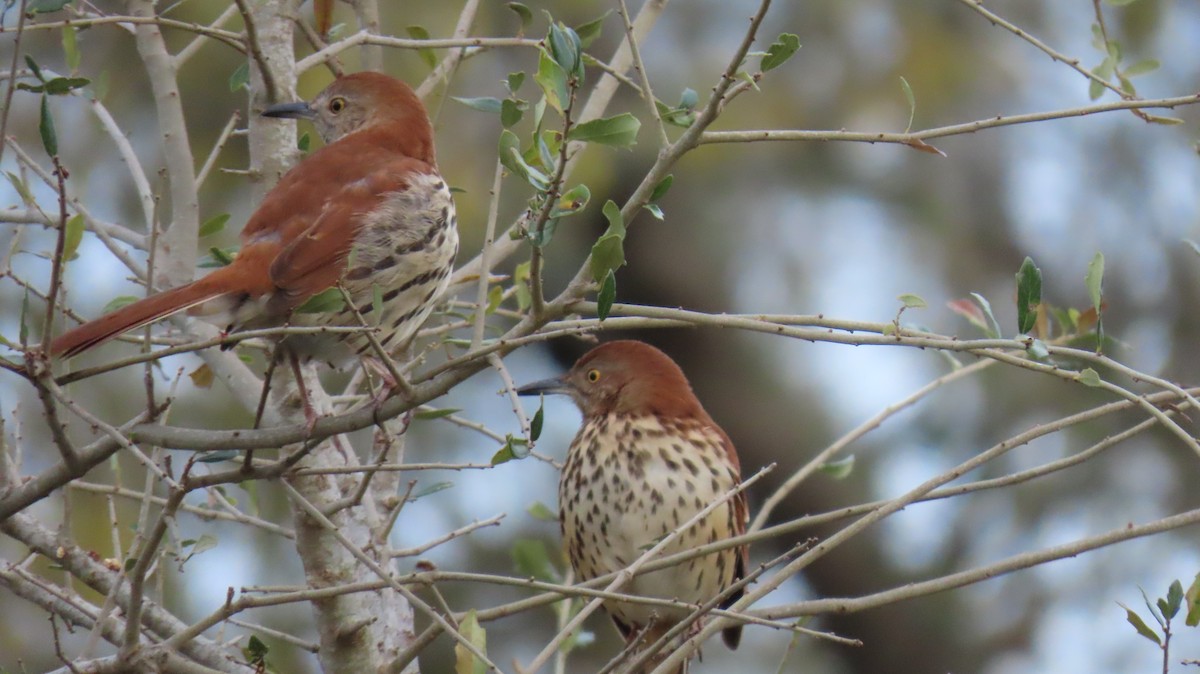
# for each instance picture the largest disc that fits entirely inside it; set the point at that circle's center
(647, 460)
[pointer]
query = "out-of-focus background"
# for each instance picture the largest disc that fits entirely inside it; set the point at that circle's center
(833, 228)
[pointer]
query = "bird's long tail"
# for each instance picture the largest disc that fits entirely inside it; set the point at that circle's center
(131, 316)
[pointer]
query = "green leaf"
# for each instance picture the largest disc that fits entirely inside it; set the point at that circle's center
(495, 297)
(1174, 600)
(521, 283)
(619, 131)
(912, 301)
(541, 511)
(1029, 295)
(1193, 602)
(660, 190)
(46, 129)
(572, 201)
(510, 112)
(912, 102)
(780, 51)
(118, 302)
(437, 414)
(535, 425)
(1166, 121)
(72, 237)
(33, 66)
(1140, 625)
(465, 662)
(304, 142)
(240, 78)
(213, 225)
(65, 85)
(503, 455)
(27, 197)
(512, 159)
(1095, 280)
(566, 49)
(655, 210)
(513, 448)
(525, 14)
(993, 329)
(840, 469)
(606, 296)
(1142, 67)
(431, 489)
(483, 103)
(256, 651)
(552, 79)
(514, 81)
(101, 89)
(532, 560)
(1088, 377)
(426, 54)
(70, 45)
(217, 257)
(326, 301)
(608, 253)
(588, 32)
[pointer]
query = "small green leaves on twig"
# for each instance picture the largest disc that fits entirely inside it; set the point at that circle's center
(1029, 295)
(523, 13)
(589, 31)
(840, 469)
(1095, 285)
(608, 253)
(1088, 377)
(779, 52)
(466, 662)
(213, 225)
(607, 296)
(426, 54)
(513, 448)
(73, 237)
(532, 560)
(57, 86)
(683, 114)
(618, 131)
(240, 78)
(657, 193)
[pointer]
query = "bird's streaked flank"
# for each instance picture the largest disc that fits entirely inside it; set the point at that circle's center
(647, 459)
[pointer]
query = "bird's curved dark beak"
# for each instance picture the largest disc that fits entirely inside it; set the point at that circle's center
(300, 110)
(551, 386)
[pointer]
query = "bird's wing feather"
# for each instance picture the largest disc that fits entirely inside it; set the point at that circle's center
(319, 223)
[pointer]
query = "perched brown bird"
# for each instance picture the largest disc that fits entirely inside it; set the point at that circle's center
(647, 459)
(368, 210)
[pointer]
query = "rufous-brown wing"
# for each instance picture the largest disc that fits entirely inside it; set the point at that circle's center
(314, 225)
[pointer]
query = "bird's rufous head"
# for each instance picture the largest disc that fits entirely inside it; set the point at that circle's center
(366, 101)
(625, 377)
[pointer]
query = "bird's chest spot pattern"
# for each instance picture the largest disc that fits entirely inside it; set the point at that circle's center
(628, 482)
(401, 260)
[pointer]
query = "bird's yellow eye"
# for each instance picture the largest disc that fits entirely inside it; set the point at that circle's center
(593, 375)
(337, 105)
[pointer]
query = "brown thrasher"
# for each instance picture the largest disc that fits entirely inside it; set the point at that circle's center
(368, 210)
(647, 459)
